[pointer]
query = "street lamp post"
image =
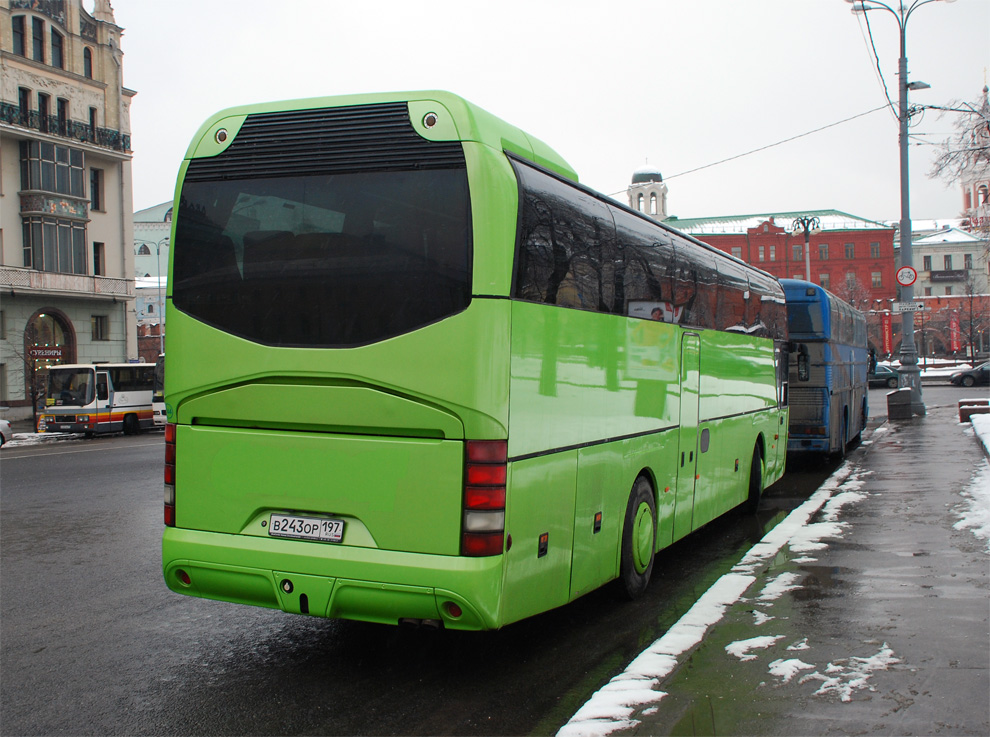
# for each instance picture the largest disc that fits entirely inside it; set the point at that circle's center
(809, 224)
(902, 10)
(161, 303)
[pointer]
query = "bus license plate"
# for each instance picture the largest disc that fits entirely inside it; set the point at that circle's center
(306, 528)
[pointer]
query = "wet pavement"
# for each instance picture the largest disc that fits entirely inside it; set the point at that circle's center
(870, 615)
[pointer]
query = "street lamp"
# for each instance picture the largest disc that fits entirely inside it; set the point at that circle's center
(161, 303)
(902, 10)
(809, 224)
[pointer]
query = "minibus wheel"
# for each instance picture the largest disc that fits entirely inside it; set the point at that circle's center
(639, 539)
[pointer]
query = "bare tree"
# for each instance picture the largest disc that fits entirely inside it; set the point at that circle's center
(966, 154)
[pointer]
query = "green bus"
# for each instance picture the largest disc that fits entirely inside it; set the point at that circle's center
(418, 374)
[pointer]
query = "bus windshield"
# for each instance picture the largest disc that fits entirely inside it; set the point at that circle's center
(329, 260)
(69, 387)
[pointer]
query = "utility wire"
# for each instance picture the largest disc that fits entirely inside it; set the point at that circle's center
(876, 58)
(778, 143)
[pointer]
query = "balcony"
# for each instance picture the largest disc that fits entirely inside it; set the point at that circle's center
(29, 281)
(65, 128)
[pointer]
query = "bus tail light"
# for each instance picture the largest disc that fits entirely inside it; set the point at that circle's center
(170, 475)
(485, 473)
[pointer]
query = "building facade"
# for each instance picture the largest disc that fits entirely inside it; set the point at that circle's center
(850, 256)
(66, 256)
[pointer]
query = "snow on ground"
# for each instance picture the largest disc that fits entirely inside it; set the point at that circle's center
(634, 691)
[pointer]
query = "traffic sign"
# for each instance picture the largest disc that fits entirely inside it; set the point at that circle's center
(909, 307)
(906, 276)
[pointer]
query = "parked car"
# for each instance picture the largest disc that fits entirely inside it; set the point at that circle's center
(972, 377)
(5, 432)
(883, 376)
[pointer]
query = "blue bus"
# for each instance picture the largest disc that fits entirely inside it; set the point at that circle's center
(827, 377)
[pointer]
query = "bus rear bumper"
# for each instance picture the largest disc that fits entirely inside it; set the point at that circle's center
(321, 580)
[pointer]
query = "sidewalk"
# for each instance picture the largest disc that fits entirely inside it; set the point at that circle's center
(866, 611)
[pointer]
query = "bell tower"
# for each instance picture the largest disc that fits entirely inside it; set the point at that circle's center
(648, 193)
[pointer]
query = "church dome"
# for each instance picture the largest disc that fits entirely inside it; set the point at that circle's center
(646, 174)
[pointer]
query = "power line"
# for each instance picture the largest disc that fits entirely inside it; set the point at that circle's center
(778, 143)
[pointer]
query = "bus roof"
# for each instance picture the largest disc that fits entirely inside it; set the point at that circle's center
(466, 122)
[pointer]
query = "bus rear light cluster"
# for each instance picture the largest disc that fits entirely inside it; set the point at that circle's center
(170, 475)
(485, 472)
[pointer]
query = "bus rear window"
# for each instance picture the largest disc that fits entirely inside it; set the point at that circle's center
(805, 318)
(331, 260)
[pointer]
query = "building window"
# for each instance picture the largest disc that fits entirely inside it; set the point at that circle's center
(850, 280)
(797, 252)
(823, 251)
(58, 43)
(62, 106)
(38, 39)
(653, 203)
(948, 261)
(17, 26)
(798, 276)
(96, 189)
(773, 253)
(737, 251)
(968, 261)
(52, 168)
(984, 194)
(44, 111)
(948, 291)
(144, 250)
(928, 291)
(54, 244)
(99, 259)
(762, 253)
(24, 104)
(87, 63)
(927, 263)
(640, 201)
(850, 250)
(151, 309)
(101, 327)
(876, 279)
(823, 280)
(874, 250)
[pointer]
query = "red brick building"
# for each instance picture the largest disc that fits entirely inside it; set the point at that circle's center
(850, 256)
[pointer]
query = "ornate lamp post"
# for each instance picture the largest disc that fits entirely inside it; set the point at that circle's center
(161, 303)
(902, 10)
(809, 224)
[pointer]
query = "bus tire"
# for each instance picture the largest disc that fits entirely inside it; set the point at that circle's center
(639, 539)
(131, 425)
(755, 480)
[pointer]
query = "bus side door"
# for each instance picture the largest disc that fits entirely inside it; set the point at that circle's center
(687, 452)
(104, 400)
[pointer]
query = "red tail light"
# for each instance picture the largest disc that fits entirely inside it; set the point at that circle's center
(485, 473)
(170, 475)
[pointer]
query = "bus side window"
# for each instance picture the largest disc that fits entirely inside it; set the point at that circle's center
(102, 390)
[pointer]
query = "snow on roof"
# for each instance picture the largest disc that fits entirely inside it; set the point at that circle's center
(947, 235)
(830, 220)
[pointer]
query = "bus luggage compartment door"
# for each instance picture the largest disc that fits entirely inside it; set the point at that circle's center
(392, 493)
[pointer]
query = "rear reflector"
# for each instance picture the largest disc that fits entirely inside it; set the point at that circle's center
(170, 475)
(485, 474)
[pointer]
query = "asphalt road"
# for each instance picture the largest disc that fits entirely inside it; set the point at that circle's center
(91, 641)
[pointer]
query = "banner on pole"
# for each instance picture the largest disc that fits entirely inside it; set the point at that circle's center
(887, 332)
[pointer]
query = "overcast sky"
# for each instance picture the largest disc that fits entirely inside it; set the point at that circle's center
(612, 86)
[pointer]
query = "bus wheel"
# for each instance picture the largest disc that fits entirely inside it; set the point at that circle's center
(755, 481)
(639, 539)
(131, 425)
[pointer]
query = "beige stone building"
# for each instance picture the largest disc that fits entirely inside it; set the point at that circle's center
(66, 232)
